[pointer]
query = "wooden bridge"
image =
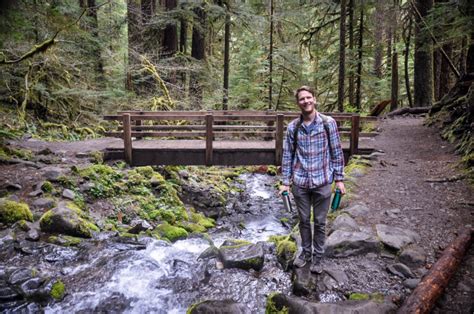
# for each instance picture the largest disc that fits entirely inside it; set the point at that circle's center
(216, 137)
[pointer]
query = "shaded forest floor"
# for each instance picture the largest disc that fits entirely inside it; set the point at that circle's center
(403, 188)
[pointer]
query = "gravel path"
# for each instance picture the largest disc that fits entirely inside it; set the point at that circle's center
(399, 182)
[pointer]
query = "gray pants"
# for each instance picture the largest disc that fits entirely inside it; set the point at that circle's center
(319, 199)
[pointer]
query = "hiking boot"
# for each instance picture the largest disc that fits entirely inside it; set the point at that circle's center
(301, 260)
(316, 266)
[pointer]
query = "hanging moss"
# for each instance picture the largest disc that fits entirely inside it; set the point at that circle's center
(11, 211)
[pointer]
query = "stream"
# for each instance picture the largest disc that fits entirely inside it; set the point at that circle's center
(115, 274)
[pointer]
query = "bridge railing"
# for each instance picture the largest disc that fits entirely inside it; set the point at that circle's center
(214, 125)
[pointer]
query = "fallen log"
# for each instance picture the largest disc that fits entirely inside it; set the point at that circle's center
(414, 110)
(433, 284)
(377, 110)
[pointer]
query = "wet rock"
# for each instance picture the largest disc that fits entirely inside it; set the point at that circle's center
(345, 243)
(7, 293)
(345, 222)
(304, 282)
(210, 252)
(338, 275)
(69, 194)
(20, 275)
(35, 193)
(357, 210)
(413, 257)
(218, 306)
(44, 203)
(33, 235)
(242, 255)
(299, 305)
(400, 270)
(66, 220)
(13, 187)
(395, 237)
(87, 186)
(30, 287)
(411, 283)
(138, 226)
(52, 173)
(45, 151)
(116, 303)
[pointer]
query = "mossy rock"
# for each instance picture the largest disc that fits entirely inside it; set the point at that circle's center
(202, 220)
(11, 211)
(64, 240)
(170, 232)
(68, 219)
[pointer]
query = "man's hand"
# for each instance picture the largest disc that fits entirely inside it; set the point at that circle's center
(340, 186)
(284, 188)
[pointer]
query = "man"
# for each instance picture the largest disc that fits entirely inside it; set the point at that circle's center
(310, 167)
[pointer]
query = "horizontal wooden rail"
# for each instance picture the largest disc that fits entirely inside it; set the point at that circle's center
(210, 125)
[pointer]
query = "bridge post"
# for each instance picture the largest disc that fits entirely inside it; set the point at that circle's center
(127, 138)
(354, 141)
(209, 138)
(279, 139)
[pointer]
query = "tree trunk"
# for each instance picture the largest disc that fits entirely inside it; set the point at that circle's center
(379, 21)
(462, 56)
(389, 39)
(407, 55)
(423, 74)
(342, 57)
(226, 58)
(198, 51)
(170, 34)
(445, 78)
(394, 56)
(359, 60)
(133, 25)
(437, 59)
(351, 52)
(270, 59)
(183, 35)
(470, 55)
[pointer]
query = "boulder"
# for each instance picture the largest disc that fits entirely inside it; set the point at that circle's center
(413, 257)
(52, 174)
(139, 225)
(44, 203)
(400, 270)
(69, 194)
(218, 306)
(242, 255)
(345, 243)
(394, 237)
(277, 302)
(67, 219)
(357, 210)
(304, 282)
(345, 222)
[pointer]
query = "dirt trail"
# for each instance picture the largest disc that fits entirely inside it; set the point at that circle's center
(400, 180)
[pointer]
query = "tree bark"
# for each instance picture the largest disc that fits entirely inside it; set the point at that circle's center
(379, 21)
(342, 57)
(198, 51)
(170, 33)
(359, 60)
(226, 58)
(436, 73)
(445, 77)
(270, 59)
(134, 23)
(394, 56)
(433, 284)
(423, 74)
(407, 55)
(351, 52)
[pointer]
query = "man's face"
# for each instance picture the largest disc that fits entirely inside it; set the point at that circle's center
(306, 102)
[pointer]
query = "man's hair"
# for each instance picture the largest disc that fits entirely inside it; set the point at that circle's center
(303, 88)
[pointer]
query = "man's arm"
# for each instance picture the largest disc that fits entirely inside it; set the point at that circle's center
(336, 155)
(287, 160)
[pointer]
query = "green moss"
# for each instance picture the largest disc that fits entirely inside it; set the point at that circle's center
(58, 290)
(146, 171)
(64, 240)
(202, 220)
(47, 187)
(271, 307)
(97, 157)
(192, 227)
(286, 248)
(357, 296)
(11, 211)
(170, 232)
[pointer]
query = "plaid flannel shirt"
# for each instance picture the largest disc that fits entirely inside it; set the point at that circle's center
(316, 162)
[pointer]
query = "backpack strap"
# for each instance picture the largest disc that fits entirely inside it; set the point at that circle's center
(297, 127)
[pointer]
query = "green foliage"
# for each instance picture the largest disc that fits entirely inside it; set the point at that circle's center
(58, 290)
(170, 232)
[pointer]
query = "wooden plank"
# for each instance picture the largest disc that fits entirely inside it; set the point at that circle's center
(279, 139)
(127, 138)
(354, 141)
(209, 138)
